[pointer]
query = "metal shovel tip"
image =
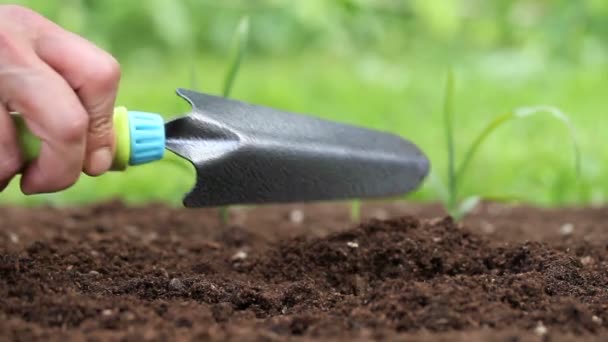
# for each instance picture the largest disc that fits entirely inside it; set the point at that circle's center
(249, 154)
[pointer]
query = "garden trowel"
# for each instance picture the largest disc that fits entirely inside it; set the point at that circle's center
(248, 154)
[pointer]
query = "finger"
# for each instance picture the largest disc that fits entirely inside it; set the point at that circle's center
(94, 75)
(11, 160)
(52, 112)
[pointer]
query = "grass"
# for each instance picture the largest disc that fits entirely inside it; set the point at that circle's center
(531, 159)
(458, 207)
(448, 117)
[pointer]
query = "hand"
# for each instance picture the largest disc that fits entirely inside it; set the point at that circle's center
(65, 88)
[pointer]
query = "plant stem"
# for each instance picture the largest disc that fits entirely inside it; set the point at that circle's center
(240, 41)
(448, 115)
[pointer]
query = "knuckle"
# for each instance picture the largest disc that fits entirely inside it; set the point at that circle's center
(16, 12)
(106, 73)
(74, 129)
(11, 50)
(15, 47)
(20, 15)
(7, 41)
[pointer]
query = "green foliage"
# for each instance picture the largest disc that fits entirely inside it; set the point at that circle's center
(240, 45)
(448, 116)
(169, 27)
(373, 63)
(456, 207)
(355, 211)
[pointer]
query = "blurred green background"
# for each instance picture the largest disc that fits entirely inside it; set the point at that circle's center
(377, 63)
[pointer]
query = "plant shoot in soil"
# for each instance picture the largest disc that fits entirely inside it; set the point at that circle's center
(456, 205)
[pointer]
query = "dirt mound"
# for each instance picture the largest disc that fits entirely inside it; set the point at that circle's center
(112, 272)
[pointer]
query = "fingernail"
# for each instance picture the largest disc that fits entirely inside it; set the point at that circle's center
(99, 161)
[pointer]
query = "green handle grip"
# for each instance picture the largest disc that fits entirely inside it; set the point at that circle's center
(30, 144)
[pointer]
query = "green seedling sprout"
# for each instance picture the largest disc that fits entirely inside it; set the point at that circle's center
(355, 211)
(448, 115)
(240, 38)
(456, 206)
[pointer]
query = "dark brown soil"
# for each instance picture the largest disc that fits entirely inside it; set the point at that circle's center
(304, 272)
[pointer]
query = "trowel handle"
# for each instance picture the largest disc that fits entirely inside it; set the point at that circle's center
(140, 138)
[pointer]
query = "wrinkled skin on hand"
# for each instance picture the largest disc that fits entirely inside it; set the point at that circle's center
(65, 88)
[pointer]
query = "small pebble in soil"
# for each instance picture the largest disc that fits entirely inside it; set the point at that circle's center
(132, 230)
(540, 329)
(240, 255)
(436, 239)
(164, 272)
(14, 237)
(128, 316)
(152, 236)
(435, 221)
(296, 216)
(106, 312)
(238, 216)
(176, 284)
(566, 229)
(495, 209)
(69, 268)
(596, 320)
(586, 260)
(352, 244)
(94, 273)
(487, 227)
(380, 214)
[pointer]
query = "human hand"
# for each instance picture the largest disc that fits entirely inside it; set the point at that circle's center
(64, 87)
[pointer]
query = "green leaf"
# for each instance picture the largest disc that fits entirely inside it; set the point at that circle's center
(520, 113)
(240, 44)
(448, 117)
(172, 22)
(355, 211)
(495, 123)
(224, 214)
(560, 116)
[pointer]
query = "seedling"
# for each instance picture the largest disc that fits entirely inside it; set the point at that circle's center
(355, 211)
(456, 206)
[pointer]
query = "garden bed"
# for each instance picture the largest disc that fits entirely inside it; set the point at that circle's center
(157, 273)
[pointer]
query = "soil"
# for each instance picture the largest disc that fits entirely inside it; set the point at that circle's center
(303, 272)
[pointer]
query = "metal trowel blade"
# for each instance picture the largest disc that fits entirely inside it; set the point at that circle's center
(248, 154)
